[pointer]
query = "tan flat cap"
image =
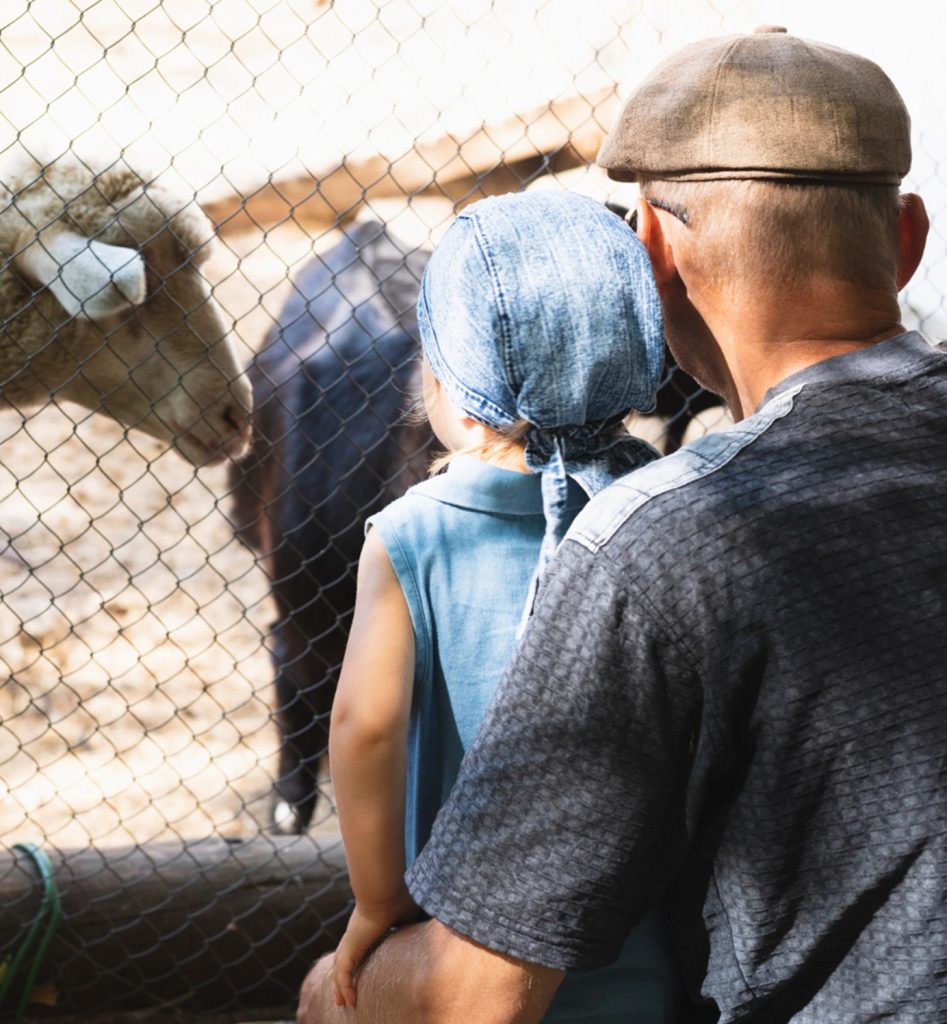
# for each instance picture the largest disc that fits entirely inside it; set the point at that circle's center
(766, 105)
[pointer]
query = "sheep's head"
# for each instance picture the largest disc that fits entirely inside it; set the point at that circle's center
(139, 335)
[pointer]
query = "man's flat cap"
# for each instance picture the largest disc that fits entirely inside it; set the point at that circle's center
(766, 105)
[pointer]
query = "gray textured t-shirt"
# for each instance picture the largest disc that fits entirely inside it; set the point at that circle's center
(733, 695)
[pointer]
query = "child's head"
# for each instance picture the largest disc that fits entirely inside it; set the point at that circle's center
(541, 307)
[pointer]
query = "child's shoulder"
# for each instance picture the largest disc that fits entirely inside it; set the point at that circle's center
(419, 500)
(469, 491)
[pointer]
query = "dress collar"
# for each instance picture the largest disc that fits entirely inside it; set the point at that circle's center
(472, 483)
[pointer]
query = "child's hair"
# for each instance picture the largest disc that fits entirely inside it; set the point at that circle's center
(497, 446)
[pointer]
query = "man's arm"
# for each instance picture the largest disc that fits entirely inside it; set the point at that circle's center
(568, 818)
(429, 974)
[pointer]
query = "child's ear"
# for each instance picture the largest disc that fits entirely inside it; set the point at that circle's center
(474, 431)
(651, 233)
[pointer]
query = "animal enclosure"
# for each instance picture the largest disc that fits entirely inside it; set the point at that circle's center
(173, 608)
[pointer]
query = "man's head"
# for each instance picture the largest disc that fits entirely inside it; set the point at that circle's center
(783, 156)
(769, 166)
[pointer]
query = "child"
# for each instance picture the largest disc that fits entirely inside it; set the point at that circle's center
(541, 328)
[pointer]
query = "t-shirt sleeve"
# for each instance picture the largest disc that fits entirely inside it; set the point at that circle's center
(569, 818)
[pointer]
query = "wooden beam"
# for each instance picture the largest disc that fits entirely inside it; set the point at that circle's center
(191, 928)
(569, 131)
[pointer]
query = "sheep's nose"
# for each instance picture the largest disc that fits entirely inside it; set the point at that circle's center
(235, 420)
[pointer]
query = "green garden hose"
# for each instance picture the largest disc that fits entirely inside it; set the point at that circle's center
(50, 914)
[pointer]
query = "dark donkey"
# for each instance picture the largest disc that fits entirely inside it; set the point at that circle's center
(331, 445)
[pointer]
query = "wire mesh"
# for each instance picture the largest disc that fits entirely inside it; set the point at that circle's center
(170, 631)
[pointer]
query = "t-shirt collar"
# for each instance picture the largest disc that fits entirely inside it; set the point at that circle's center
(896, 357)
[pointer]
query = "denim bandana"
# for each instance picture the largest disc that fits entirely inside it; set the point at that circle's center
(542, 307)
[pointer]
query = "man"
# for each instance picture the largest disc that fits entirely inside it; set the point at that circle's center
(733, 693)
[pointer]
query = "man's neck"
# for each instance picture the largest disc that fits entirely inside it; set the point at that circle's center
(764, 340)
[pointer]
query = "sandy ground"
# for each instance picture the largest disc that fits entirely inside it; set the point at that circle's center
(132, 630)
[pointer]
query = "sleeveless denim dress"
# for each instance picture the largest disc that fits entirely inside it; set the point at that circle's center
(464, 546)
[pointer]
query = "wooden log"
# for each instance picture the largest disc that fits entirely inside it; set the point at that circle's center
(208, 927)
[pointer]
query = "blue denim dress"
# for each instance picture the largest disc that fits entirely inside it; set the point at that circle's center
(464, 546)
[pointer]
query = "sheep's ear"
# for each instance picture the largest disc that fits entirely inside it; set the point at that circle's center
(88, 278)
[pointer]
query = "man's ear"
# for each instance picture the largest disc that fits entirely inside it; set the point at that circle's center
(913, 225)
(651, 233)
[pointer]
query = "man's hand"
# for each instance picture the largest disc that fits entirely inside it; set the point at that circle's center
(429, 974)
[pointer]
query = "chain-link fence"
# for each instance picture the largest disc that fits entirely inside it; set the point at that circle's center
(173, 612)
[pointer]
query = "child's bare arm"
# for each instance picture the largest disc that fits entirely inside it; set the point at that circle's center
(368, 754)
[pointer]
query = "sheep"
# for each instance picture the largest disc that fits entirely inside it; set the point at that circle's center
(102, 303)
